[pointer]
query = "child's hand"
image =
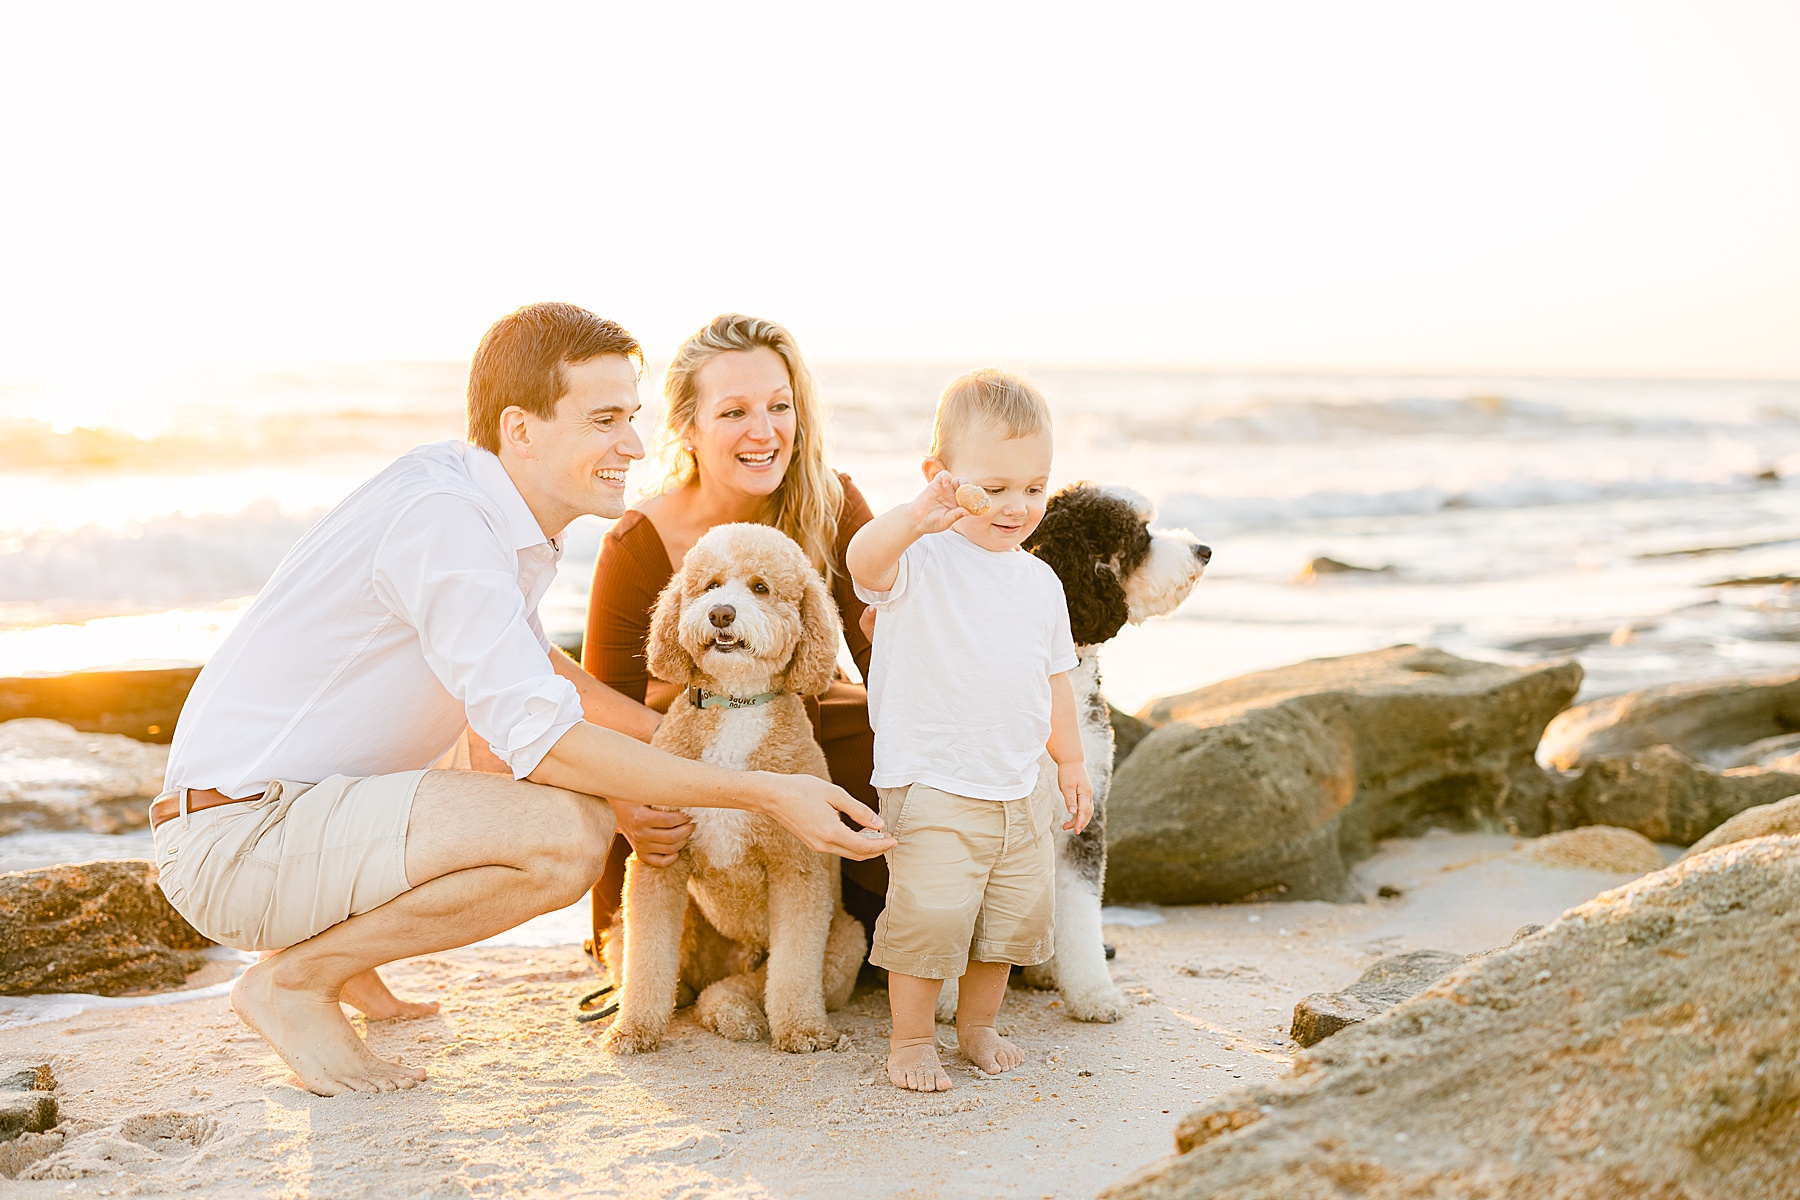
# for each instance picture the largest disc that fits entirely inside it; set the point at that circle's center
(936, 508)
(1078, 793)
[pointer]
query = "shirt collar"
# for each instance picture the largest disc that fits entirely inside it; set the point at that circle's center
(491, 477)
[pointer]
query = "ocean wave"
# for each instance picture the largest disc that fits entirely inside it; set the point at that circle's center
(159, 563)
(1211, 515)
(1479, 416)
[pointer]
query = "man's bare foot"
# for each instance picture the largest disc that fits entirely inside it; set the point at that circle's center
(368, 994)
(913, 1064)
(310, 1033)
(987, 1049)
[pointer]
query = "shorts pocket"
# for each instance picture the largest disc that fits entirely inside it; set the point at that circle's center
(893, 810)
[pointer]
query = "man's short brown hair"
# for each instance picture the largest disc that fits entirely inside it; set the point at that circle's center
(521, 357)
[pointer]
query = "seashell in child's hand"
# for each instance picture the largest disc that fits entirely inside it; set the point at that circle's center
(972, 498)
(873, 834)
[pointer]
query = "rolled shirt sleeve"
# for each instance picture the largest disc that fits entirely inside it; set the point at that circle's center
(460, 590)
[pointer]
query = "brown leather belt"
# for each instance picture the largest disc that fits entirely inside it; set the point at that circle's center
(170, 806)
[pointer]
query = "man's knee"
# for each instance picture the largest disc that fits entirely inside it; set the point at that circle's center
(576, 840)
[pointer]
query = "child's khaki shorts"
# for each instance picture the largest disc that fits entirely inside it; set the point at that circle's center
(970, 879)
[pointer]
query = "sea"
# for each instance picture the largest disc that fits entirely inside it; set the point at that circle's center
(1645, 527)
(1648, 528)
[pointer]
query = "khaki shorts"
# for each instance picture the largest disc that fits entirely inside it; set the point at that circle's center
(970, 879)
(265, 874)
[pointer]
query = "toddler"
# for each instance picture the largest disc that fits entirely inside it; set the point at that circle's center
(968, 687)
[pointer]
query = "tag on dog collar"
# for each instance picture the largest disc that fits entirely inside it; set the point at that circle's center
(701, 698)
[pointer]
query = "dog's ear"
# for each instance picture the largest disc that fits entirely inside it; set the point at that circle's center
(815, 658)
(1072, 538)
(664, 654)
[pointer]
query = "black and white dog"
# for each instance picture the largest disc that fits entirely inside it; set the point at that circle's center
(1114, 570)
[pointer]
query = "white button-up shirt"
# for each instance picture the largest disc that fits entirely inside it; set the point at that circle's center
(410, 610)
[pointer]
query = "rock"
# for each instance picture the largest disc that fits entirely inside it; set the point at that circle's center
(26, 1112)
(26, 1105)
(1386, 983)
(1665, 795)
(1594, 848)
(1706, 721)
(27, 1077)
(137, 704)
(1645, 1044)
(1266, 785)
(52, 777)
(1128, 731)
(1324, 567)
(1765, 820)
(92, 927)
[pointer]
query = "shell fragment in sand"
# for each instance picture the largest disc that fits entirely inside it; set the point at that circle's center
(972, 498)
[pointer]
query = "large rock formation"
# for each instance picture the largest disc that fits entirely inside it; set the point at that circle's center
(92, 927)
(1710, 721)
(1663, 794)
(138, 704)
(52, 777)
(1268, 784)
(1645, 1045)
(1779, 819)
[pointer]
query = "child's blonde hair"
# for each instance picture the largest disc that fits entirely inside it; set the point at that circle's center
(984, 396)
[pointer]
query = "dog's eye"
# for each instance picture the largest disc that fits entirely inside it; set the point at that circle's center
(759, 587)
(710, 585)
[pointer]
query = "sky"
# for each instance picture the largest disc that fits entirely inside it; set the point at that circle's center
(1568, 187)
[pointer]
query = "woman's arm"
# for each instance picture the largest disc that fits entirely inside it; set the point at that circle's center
(626, 580)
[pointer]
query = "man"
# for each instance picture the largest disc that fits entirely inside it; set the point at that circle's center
(298, 815)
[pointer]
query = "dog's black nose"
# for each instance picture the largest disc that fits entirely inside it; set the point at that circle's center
(721, 615)
(1203, 553)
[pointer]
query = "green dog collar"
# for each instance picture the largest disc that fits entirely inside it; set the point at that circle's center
(701, 698)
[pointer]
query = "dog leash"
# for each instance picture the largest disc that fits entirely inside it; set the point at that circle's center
(699, 697)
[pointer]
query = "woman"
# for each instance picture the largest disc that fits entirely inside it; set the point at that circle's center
(745, 442)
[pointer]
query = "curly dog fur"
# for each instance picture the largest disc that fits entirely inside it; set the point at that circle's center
(744, 617)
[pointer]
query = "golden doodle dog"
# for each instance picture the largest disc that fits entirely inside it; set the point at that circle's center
(748, 629)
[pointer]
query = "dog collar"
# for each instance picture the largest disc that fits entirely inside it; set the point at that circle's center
(701, 698)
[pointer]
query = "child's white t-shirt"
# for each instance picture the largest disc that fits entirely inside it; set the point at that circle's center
(959, 685)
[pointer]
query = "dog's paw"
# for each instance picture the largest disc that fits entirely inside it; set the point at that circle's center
(627, 1038)
(1040, 977)
(735, 1022)
(804, 1037)
(1103, 1005)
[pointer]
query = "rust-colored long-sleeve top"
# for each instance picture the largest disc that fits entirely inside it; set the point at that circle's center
(633, 567)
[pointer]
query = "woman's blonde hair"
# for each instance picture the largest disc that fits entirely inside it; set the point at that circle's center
(805, 505)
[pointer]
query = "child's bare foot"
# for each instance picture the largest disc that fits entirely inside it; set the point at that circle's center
(987, 1049)
(913, 1064)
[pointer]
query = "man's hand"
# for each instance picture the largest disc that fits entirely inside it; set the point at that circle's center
(657, 834)
(809, 807)
(1078, 793)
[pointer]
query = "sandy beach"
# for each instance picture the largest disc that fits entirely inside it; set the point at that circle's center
(522, 1101)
